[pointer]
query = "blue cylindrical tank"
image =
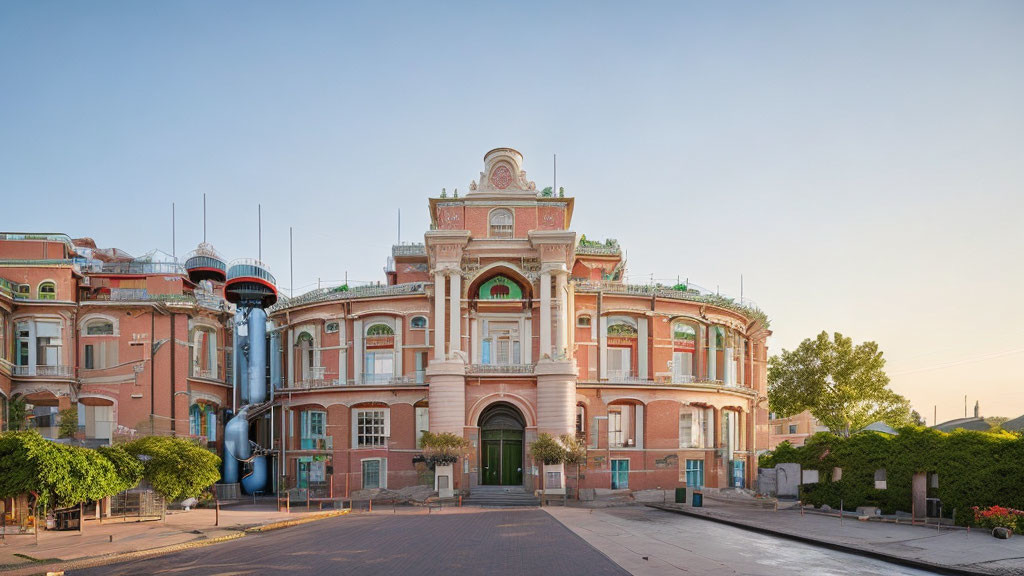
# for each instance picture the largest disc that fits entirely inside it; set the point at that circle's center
(236, 444)
(257, 356)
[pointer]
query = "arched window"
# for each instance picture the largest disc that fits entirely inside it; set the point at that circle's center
(380, 330)
(622, 347)
(501, 223)
(622, 329)
(418, 322)
(583, 321)
(684, 347)
(47, 291)
(304, 348)
(99, 327)
(500, 288)
(204, 353)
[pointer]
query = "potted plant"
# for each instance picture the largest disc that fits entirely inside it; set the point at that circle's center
(442, 450)
(550, 451)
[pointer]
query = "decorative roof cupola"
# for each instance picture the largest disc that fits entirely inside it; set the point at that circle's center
(503, 175)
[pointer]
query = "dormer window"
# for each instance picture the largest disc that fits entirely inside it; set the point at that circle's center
(501, 223)
(47, 291)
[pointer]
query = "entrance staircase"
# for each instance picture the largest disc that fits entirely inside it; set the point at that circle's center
(500, 497)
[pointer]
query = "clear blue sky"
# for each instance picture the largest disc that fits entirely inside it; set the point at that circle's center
(861, 164)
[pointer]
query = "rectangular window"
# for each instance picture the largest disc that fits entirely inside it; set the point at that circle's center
(90, 357)
(553, 480)
(620, 474)
(792, 428)
(372, 428)
(312, 428)
(615, 438)
(694, 473)
(691, 428)
(422, 423)
(211, 426)
(374, 473)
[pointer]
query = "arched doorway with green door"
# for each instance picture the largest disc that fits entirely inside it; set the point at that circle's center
(501, 449)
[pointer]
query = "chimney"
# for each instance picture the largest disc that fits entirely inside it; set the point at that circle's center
(977, 410)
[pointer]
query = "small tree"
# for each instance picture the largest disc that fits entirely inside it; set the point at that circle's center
(547, 449)
(68, 426)
(844, 386)
(442, 448)
(17, 414)
(176, 467)
(575, 455)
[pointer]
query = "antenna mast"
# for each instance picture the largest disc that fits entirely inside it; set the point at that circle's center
(174, 239)
(259, 220)
(204, 217)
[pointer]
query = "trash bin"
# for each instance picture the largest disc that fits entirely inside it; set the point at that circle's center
(680, 495)
(698, 499)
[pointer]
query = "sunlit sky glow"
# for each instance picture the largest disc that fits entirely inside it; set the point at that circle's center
(859, 164)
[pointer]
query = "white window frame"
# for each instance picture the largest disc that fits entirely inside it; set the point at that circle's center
(356, 413)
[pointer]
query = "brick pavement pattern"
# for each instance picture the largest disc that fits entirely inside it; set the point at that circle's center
(501, 541)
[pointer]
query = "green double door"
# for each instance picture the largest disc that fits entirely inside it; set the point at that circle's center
(503, 457)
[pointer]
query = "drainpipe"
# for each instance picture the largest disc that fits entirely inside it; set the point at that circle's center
(152, 369)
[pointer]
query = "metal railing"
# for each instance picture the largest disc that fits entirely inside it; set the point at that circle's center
(134, 267)
(316, 443)
(500, 369)
(137, 295)
(744, 306)
(626, 377)
(59, 371)
(330, 294)
(411, 249)
(250, 268)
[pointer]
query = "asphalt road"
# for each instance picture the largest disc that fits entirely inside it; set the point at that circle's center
(492, 542)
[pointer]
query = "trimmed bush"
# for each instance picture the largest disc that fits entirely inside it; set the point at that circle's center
(177, 468)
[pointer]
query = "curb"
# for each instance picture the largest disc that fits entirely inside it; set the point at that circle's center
(902, 561)
(60, 568)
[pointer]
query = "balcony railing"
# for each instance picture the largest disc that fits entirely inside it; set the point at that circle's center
(137, 295)
(370, 379)
(500, 369)
(408, 250)
(626, 377)
(317, 443)
(58, 371)
(744, 306)
(140, 268)
(205, 373)
(355, 292)
(379, 341)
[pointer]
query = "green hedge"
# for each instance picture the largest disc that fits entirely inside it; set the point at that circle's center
(974, 468)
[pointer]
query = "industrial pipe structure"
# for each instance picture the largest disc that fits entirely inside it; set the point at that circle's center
(250, 286)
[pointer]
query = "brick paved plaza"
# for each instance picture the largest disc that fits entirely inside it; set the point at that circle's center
(453, 542)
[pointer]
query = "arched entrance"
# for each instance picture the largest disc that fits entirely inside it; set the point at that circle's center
(501, 447)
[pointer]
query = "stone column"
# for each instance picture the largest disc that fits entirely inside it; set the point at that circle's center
(545, 313)
(289, 359)
(455, 304)
(439, 315)
(447, 394)
(358, 358)
(562, 336)
(399, 351)
(642, 347)
(343, 351)
(556, 397)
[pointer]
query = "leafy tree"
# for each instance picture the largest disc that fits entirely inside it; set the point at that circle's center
(547, 449)
(844, 386)
(575, 450)
(176, 467)
(59, 475)
(916, 419)
(443, 448)
(996, 422)
(68, 423)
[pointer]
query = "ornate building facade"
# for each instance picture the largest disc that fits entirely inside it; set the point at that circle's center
(502, 325)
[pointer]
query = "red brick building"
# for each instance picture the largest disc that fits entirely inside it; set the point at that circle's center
(503, 324)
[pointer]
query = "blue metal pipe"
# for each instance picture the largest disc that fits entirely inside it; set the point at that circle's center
(236, 354)
(257, 356)
(256, 480)
(236, 444)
